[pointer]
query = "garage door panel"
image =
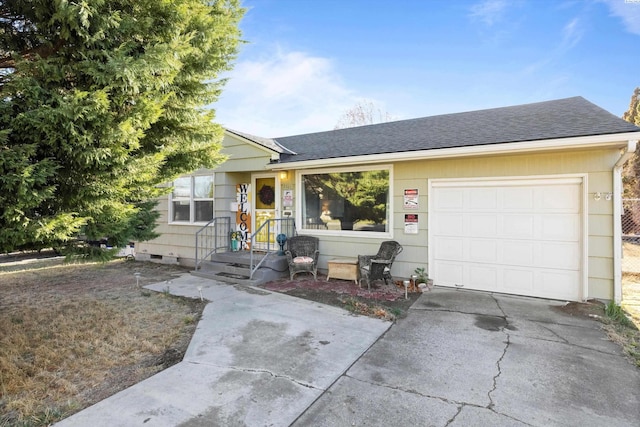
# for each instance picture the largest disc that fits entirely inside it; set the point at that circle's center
(450, 225)
(559, 255)
(483, 250)
(506, 237)
(450, 248)
(449, 273)
(560, 227)
(558, 283)
(482, 199)
(559, 198)
(518, 226)
(452, 200)
(518, 199)
(483, 277)
(517, 252)
(482, 225)
(517, 281)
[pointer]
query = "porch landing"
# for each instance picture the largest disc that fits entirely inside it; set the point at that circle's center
(234, 267)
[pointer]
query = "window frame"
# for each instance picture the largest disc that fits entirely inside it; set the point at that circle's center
(192, 200)
(345, 233)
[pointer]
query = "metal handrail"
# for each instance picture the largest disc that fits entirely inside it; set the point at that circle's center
(285, 226)
(211, 238)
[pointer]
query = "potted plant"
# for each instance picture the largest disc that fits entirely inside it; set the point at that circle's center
(422, 280)
(421, 275)
(234, 237)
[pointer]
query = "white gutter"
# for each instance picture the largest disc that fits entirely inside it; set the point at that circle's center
(625, 155)
(476, 150)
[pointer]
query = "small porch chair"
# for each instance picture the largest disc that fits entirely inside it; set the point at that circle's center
(378, 266)
(302, 255)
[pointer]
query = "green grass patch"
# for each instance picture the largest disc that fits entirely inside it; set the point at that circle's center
(618, 315)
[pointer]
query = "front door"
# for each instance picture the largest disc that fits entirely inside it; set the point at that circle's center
(266, 207)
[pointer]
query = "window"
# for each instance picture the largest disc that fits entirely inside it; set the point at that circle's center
(192, 199)
(356, 200)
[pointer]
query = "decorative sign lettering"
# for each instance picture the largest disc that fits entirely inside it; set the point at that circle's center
(243, 216)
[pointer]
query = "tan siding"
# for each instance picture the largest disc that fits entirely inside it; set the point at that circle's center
(600, 288)
(243, 156)
(596, 164)
(601, 225)
(600, 246)
(178, 240)
(600, 267)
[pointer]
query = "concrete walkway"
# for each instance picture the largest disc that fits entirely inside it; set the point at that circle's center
(460, 358)
(257, 358)
(464, 358)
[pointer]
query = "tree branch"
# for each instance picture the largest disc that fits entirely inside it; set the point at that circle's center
(43, 51)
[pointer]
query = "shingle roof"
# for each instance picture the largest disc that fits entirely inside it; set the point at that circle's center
(563, 118)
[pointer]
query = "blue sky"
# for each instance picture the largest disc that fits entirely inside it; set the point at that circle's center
(306, 62)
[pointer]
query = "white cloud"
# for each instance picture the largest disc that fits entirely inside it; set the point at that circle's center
(489, 11)
(628, 11)
(285, 93)
(571, 34)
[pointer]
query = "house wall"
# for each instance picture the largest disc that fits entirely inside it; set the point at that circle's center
(242, 156)
(176, 243)
(597, 164)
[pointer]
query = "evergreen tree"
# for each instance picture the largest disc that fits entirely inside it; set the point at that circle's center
(632, 115)
(631, 170)
(100, 103)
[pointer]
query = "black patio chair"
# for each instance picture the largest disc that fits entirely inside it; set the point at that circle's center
(302, 255)
(378, 266)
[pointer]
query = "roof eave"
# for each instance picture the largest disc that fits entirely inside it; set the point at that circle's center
(582, 142)
(275, 155)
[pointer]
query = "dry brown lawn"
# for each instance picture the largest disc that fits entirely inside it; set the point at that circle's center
(631, 296)
(628, 337)
(72, 335)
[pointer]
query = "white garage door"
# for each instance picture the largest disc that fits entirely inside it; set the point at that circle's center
(513, 236)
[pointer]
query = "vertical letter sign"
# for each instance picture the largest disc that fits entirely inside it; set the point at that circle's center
(243, 216)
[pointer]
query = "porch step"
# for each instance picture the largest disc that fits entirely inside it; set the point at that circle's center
(234, 267)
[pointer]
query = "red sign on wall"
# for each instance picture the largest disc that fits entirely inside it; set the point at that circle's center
(411, 198)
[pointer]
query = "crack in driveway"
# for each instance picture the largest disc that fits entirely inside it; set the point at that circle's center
(459, 404)
(274, 375)
(411, 391)
(257, 371)
(504, 352)
(460, 408)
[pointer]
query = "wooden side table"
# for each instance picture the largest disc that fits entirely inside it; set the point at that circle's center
(343, 268)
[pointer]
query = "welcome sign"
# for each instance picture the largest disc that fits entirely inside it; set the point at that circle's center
(243, 215)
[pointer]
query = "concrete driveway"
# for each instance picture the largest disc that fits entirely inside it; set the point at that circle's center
(257, 358)
(459, 358)
(464, 358)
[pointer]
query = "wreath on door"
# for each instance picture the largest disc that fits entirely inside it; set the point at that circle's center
(266, 195)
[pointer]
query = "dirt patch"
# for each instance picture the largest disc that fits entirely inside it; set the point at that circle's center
(382, 300)
(72, 335)
(591, 308)
(619, 330)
